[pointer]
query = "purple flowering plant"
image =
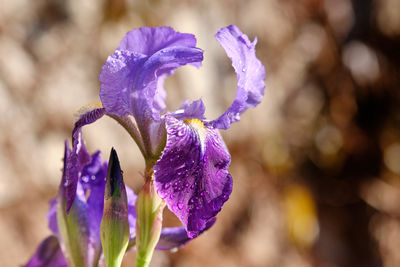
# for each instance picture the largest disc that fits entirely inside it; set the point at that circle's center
(95, 218)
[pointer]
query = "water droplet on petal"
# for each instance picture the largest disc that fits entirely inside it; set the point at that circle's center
(166, 186)
(181, 132)
(180, 206)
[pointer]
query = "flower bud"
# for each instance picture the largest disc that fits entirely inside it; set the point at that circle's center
(114, 225)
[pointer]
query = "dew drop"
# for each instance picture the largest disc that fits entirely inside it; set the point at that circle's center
(166, 186)
(244, 69)
(181, 132)
(85, 179)
(93, 177)
(180, 206)
(162, 194)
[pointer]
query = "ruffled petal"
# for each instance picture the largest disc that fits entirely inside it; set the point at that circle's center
(250, 74)
(192, 174)
(117, 77)
(48, 254)
(130, 78)
(148, 41)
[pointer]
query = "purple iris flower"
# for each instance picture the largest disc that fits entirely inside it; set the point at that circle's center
(185, 150)
(87, 211)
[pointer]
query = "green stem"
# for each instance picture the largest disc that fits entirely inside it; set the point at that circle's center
(133, 131)
(149, 208)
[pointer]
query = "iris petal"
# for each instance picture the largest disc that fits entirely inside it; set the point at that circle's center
(192, 174)
(131, 80)
(194, 110)
(250, 74)
(48, 254)
(176, 237)
(172, 237)
(78, 158)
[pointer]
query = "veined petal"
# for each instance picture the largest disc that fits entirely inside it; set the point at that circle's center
(87, 115)
(192, 174)
(117, 77)
(78, 158)
(250, 74)
(130, 79)
(48, 254)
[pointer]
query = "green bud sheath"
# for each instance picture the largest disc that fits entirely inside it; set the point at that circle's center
(149, 208)
(73, 226)
(74, 232)
(114, 225)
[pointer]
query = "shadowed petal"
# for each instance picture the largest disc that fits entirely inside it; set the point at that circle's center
(92, 180)
(250, 74)
(172, 237)
(130, 79)
(176, 237)
(132, 212)
(192, 174)
(52, 217)
(48, 254)
(190, 110)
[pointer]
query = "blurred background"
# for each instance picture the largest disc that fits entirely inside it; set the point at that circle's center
(316, 165)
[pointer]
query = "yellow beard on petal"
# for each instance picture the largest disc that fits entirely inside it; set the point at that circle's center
(87, 108)
(199, 127)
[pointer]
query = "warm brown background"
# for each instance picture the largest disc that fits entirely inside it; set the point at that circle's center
(316, 166)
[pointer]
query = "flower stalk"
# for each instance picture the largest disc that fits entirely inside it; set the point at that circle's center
(149, 208)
